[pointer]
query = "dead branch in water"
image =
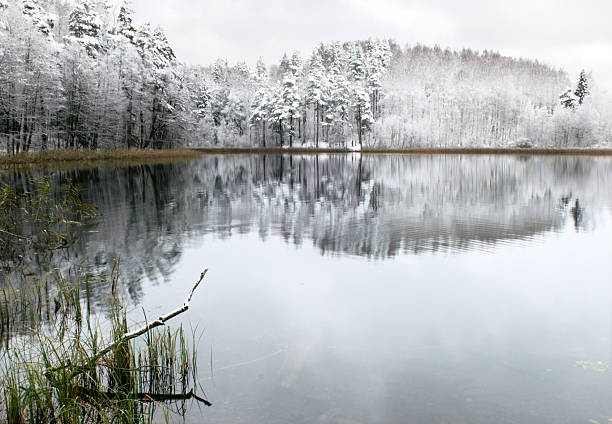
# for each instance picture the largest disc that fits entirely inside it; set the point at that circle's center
(133, 334)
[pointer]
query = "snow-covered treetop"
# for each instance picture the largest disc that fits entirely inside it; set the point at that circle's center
(42, 20)
(242, 70)
(220, 70)
(85, 28)
(84, 20)
(154, 48)
(582, 88)
(571, 99)
(296, 65)
(261, 71)
(125, 26)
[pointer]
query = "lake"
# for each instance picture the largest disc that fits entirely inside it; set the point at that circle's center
(374, 288)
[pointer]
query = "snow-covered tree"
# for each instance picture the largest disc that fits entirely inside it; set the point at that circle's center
(85, 27)
(200, 98)
(317, 90)
(154, 48)
(363, 111)
(283, 67)
(261, 71)
(582, 88)
(125, 25)
(296, 65)
(285, 107)
(262, 100)
(568, 99)
(42, 20)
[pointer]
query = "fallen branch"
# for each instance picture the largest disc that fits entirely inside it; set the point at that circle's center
(133, 334)
(159, 321)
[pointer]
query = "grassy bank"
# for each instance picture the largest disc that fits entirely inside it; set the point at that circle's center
(111, 157)
(72, 158)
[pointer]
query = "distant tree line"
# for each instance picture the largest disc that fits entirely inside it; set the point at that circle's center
(84, 76)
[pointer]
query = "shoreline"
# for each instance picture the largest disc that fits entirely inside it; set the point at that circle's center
(136, 156)
(410, 150)
(88, 157)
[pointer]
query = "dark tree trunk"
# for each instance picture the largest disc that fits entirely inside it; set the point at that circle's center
(263, 127)
(359, 130)
(317, 126)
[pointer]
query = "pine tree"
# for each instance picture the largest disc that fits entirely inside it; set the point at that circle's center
(377, 58)
(218, 102)
(286, 107)
(296, 65)
(283, 67)
(125, 26)
(200, 98)
(315, 88)
(568, 99)
(339, 101)
(582, 88)
(42, 20)
(220, 71)
(241, 72)
(235, 113)
(260, 109)
(357, 63)
(262, 100)
(261, 72)
(154, 47)
(363, 115)
(85, 27)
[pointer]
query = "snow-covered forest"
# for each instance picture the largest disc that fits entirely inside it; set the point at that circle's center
(84, 75)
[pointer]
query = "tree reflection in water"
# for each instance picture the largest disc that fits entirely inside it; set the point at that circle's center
(377, 206)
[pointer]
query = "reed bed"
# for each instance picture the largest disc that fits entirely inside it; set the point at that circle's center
(62, 363)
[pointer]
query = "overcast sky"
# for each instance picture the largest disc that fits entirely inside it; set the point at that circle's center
(567, 34)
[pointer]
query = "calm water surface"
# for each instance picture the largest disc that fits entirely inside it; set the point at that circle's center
(376, 289)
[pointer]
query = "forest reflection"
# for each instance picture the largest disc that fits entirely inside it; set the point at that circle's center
(377, 206)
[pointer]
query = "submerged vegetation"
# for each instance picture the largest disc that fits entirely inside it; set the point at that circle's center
(63, 358)
(38, 223)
